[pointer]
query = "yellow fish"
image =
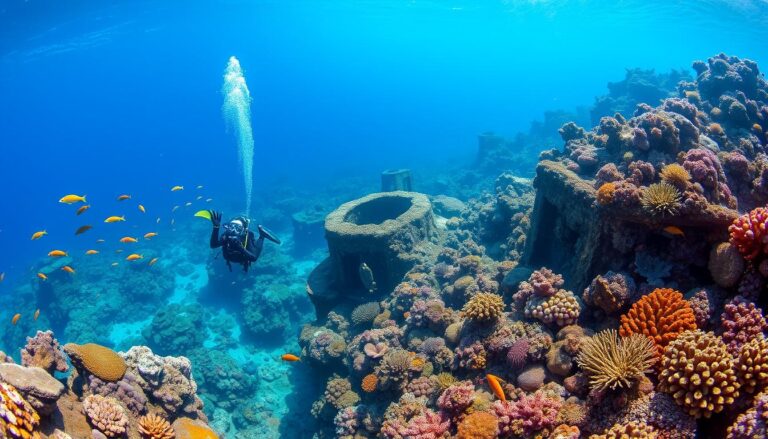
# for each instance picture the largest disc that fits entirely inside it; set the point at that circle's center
(57, 253)
(177, 188)
(141, 208)
(42, 276)
(150, 235)
(37, 314)
(123, 197)
(92, 252)
(127, 239)
(15, 319)
(203, 214)
(674, 230)
(133, 257)
(38, 235)
(114, 219)
(71, 199)
(153, 261)
(83, 209)
(68, 269)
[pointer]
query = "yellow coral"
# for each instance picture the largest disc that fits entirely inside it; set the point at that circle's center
(478, 425)
(186, 428)
(605, 194)
(661, 199)
(100, 361)
(613, 362)
(17, 417)
(444, 380)
(675, 175)
(152, 426)
(369, 383)
(752, 365)
(715, 128)
(484, 307)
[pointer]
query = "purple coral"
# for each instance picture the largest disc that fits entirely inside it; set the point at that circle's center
(43, 351)
(752, 423)
(127, 391)
(517, 354)
(431, 346)
(641, 173)
(705, 169)
(456, 398)
(741, 321)
(527, 415)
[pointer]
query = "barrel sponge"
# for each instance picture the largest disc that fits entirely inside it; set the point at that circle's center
(661, 315)
(100, 361)
(484, 307)
(699, 373)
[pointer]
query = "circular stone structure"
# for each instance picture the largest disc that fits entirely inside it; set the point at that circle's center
(370, 242)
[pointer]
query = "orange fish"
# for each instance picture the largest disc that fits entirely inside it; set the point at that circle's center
(674, 230)
(92, 252)
(38, 235)
(83, 229)
(290, 357)
(68, 269)
(493, 383)
(83, 209)
(42, 276)
(142, 209)
(150, 235)
(152, 261)
(133, 257)
(57, 253)
(15, 318)
(123, 197)
(127, 239)
(37, 314)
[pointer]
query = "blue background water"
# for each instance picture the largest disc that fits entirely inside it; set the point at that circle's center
(124, 97)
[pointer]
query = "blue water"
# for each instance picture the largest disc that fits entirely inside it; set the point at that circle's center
(123, 97)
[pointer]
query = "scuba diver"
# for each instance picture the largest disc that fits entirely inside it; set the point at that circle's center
(237, 243)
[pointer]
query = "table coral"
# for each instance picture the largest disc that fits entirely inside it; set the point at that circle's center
(698, 371)
(98, 360)
(43, 351)
(661, 315)
(106, 415)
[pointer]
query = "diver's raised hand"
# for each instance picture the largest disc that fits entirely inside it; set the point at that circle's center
(215, 218)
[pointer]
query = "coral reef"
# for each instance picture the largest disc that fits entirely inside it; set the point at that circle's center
(43, 351)
(614, 363)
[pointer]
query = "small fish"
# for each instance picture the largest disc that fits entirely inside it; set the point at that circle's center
(158, 220)
(177, 188)
(68, 269)
(92, 252)
(100, 241)
(57, 253)
(150, 235)
(123, 197)
(2, 276)
(199, 186)
(142, 209)
(15, 319)
(114, 219)
(208, 200)
(83, 209)
(493, 383)
(199, 197)
(173, 221)
(71, 199)
(127, 239)
(42, 276)
(83, 229)
(133, 257)
(366, 277)
(290, 357)
(115, 264)
(37, 314)
(674, 230)
(119, 250)
(153, 261)
(175, 208)
(188, 203)
(38, 235)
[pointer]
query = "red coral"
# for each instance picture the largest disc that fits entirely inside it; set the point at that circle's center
(748, 233)
(527, 415)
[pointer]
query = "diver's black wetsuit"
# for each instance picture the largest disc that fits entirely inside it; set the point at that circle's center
(235, 249)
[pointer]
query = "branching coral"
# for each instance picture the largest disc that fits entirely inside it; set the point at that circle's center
(484, 307)
(753, 423)
(698, 371)
(561, 309)
(457, 397)
(106, 415)
(749, 233)
(752, 365)
(661, 199)
(630, 430)
(612, 362)
(527, 416)
(661, 315)
(741, 321)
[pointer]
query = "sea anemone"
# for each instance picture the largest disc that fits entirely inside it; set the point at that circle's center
(676, 175)
(612, 362)
(661, 199)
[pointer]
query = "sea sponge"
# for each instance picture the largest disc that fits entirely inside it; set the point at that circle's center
(661, 315)
(676, 175)
(43, 351)
(630, 430)
(106, 415)
(661, 199)
(613, 363)
(610, 292)
(752, 365)
(561, 309)
(748, 233)
(484, 307)
(726, 265)
(368, 384)
(97, 360)
(18, 420)
(152, 426)
(365, 313)
(606, 193)
(698, 371)
(478, 425)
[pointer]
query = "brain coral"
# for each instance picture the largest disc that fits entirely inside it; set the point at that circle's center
(726, 265)
(661, 199)
(484, 307)
(106, 415)
(152, 426)
(17, 418)
(365, 313)
(478, 425)
(612, 362)
(752, 365)
(98, 360)
(661, 315)
(698, 371)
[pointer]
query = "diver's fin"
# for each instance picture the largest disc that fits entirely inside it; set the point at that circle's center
(266, 233)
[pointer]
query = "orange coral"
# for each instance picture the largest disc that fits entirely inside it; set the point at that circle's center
(675, 175)
(478, 425)
(606, 193)
(757, 128)
(17, 418)
(716, 129)
(661, 316)
(100, 361)
(369, 382)
(417, 363)
(152, 426)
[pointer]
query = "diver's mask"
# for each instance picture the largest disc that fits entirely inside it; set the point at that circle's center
(235, 227)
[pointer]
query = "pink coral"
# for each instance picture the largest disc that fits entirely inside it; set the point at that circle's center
(456, 398)
(106, 415)
(528, 415)
(542, 282)
(375, 350)
(741, 321)
(428, 425)
(748, 233)
(43, 351)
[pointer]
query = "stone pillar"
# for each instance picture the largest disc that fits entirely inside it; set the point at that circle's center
(396, 180)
